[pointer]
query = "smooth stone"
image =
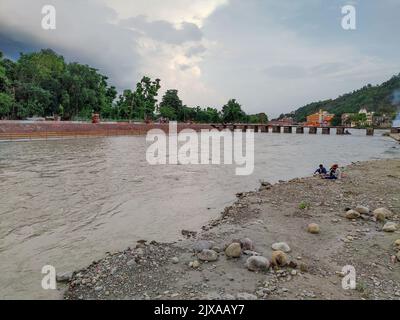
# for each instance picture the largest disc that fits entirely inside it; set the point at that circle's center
(362, 209)
(247, 244)
(257, 263)
(233, 250)
(352, 214)
(281, 246)
(313, 228)
(382, 213)
(175, 260)
(64, 277)
(390, 227)
(200, 245)
(207, 255)
(279, 258)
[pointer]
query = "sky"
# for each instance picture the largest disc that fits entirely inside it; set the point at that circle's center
(272, 56)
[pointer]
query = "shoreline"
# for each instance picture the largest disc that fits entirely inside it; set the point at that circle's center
(275, 213)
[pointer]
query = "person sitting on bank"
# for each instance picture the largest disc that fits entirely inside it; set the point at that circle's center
(321, 170)
(334, 173)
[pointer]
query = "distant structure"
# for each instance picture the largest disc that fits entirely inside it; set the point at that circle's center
(365, 118)
(285, 121)
(319, 119)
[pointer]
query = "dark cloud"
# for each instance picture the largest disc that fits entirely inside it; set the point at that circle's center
(164, 31)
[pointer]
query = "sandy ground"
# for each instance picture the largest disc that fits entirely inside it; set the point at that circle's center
(277, 213)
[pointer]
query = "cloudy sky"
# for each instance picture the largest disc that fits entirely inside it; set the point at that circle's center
(273, 56)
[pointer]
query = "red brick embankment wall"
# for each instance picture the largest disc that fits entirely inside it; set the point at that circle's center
(14, 130)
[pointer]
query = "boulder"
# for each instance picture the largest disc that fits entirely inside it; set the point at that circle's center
(281, 246)
(279, 258)
(64, 277)
(362, 209)
(352, 214)
(390, 227)
(200, 245)
(257, 263)
(233, 250)
(247, 244)
(382, 213)
(207, 255)
(397, 243)
(313, 228)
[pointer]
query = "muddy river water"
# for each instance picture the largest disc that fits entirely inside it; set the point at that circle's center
(67, 202)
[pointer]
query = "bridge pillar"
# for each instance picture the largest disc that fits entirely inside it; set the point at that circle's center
(255, 128)
(287, 129)
(244, 128)
(326, 130)
(300, 130)
(339, 130)
(276, 129)
(370, 131)
(313, 130)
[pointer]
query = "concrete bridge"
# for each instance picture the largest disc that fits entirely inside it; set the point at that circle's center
(340, 130)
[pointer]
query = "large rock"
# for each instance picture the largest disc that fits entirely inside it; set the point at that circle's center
(247, 244)
(382, 213)
(281, 246)
(201, 245)
(397, 243)
(257, 263)
(313, 228)
(390, 227)
(64, 277)
(352, 214)
(362, 209)
(279, 258)
(207, 255)
(233, 250)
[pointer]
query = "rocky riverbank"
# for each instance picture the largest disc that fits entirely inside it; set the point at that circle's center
(285, 241)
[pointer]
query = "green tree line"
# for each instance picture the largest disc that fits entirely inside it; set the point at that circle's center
(43, 84)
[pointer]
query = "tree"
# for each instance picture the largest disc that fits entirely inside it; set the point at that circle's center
(337, 120)
(6, 103)
(171, 106)
(144, 98)
(232, 112)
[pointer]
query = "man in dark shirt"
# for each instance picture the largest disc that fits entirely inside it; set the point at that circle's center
(321, 170)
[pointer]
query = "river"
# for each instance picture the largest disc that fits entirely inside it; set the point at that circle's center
(67, 202)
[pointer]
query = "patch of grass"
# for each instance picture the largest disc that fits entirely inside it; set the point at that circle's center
(304, 205)
(361, 287)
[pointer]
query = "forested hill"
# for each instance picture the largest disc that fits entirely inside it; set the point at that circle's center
(375, 98)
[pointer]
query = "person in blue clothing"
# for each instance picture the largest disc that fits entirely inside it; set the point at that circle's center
(321, 170)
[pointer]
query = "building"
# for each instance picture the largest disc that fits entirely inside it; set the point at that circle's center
(369, 117)
(366, 119)
(319, 119)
